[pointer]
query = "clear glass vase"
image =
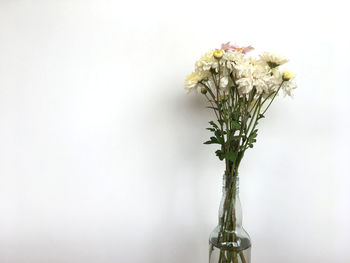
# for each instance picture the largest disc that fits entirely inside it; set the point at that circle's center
(229, 242)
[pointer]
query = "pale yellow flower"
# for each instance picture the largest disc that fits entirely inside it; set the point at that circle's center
(206, 62)
(191, 81)
(287, 75)
(273, 60)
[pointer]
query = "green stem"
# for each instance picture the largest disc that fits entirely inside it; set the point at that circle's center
(273, 97)
(212, 106)
(229, 225)
(242, 257)
(220, 115)
(255, 111)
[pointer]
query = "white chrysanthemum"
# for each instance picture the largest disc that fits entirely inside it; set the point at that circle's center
(288, 87)
(272, 80)
(245, 85)
(261, 85)
(206, 62)
(191, 82)
(232, 59)
(261, 77)
(244, 68)
(273, 60)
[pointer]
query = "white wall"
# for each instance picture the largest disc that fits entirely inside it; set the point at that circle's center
(101, 154)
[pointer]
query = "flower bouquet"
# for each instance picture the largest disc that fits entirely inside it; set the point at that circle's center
(239, 90)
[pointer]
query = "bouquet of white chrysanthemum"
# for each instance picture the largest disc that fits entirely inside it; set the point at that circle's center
(239, 89)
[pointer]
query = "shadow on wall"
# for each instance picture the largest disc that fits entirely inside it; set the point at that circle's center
(177, 120)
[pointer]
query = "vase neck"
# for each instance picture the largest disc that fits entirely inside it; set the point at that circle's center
(230, 207)
(230, 182)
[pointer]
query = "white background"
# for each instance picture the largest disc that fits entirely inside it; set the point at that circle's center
(101, 154)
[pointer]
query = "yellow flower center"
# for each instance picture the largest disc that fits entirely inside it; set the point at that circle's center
(218, 53)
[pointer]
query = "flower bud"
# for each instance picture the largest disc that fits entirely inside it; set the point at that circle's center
(287, 75)
(218, 53)
(203, 90)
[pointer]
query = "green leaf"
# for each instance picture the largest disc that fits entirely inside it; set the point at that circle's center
(254, 134)
(213, 124)
(236, 125)
(219, 140)
(218, 134)
(219, 154)
(231, 156)
(211, 129)
(212, 140)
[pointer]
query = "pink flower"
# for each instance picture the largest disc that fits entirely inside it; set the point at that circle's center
(243, 50)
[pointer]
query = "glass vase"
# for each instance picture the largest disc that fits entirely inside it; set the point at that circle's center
(229, 242)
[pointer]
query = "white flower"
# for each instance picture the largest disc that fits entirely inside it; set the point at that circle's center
(191, 81)
(251, 73)
(206, 62)
(260, 85)
(245, 85)
(288, 87)
(273, 60)
(261, 75)
(232, 59)
(244, 68)
(275, 80)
